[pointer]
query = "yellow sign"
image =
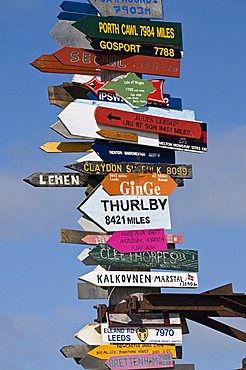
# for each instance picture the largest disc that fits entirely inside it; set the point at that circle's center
(66, 147)
(108, 350)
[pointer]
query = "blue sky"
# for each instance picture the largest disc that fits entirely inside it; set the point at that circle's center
(39, 311)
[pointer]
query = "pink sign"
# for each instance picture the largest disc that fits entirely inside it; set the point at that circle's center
(138, 241)
(152, 361)
(96, 239)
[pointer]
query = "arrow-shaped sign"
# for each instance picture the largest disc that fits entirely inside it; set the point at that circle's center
(126, 212)
(78, 7)
(106, 351)
(77, 59)
(165, 33)
(101, 277)
(101, 168)
(66, 93)
(64, 34)
(149, 361)
(61, 129)
(89, 291)
(173, 259)
(57, 179)
(146, 122)
(118, 135)
(138, 184)
(66, 147)
(122, 9)
(90, 334)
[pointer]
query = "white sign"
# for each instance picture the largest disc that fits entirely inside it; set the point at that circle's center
(88, 225)
(90, 334)
(141, 334)
(126, 212)
(101, 277)
(78, 117)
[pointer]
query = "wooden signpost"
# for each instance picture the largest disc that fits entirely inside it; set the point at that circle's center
(118, 135)
(57, 179)
(165, 33)
(67, 147)
(145, 122)
(172, 259)
(138, 241)
(132, 10)
(147, 318)
(103, 278)
(151, 361)
(80, 59)
(183, 171)
(141, 334)
(136, 48)
(138, 184)
(66, 93)
(106, 351)
(126, 212)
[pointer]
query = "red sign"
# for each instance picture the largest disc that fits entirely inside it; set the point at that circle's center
(138, 63)
(147, 122)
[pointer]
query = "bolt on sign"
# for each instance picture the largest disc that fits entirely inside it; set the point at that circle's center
(165, 33)
(141, 334)
(152, 361)
(138, 184)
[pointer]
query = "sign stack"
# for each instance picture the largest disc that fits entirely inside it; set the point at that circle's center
(132, 129)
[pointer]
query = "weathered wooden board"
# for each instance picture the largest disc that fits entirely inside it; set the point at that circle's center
(64, 34)
(126, 212)
(118, 135)
(146, 318)
(89, 291)
(101, 277)
(173, 259)
(67, 147)
(150, 361)
(73, 236)
(77, 58)
(57, 179)
(121, 8)
(183, 171)
(50, 64)
(66, 93)
(164, 33)
(136, 48)
(106, 351)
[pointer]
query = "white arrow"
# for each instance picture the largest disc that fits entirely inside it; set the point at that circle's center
(126, 212)
(93, 156)
(90, 334)
(60, 129)
(101, 277)
(64, 34)
(90, 226)
(79, 119)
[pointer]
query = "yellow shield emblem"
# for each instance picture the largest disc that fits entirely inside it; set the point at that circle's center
(142, 334)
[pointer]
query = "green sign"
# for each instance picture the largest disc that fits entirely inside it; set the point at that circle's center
(167, 33)
(173, 259)
(132, 89)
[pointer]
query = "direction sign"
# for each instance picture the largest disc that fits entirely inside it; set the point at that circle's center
(118, 135)
(138, 184)
(89, 362)
(141, 334)
(172, 259)
(88, 127)
(165, 33)
(78, 7)
(89, 291)
(57, 179)
(96, 239)
(50, 64)
(136, 48)
(71, 16)
(66, 93)
(147, 122)
(120, 152)
(77, 59)
(150, 361)
(126, 212)
(60, 128)
(101, 168)
(123, 9)
(146, 318)
(106, 351)
(101, 277)
(76, 236)
(90, 334)
(89, 226)
(64, 34)
(138, 241)
(66, 147)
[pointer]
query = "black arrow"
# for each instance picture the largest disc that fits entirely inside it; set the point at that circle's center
(110, 117)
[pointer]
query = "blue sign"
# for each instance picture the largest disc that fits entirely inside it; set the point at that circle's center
(81, 7)
(125, 152)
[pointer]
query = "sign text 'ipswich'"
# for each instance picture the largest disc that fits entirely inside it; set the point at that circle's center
(166, 33)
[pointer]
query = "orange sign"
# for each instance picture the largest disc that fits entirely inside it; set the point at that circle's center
(138, 184)
(118, 135)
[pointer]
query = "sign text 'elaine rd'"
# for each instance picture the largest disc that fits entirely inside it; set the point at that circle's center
(101, 277)
(165, 33)
(126, 211)
(138, 241)
(138, 184)
(152, 361)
